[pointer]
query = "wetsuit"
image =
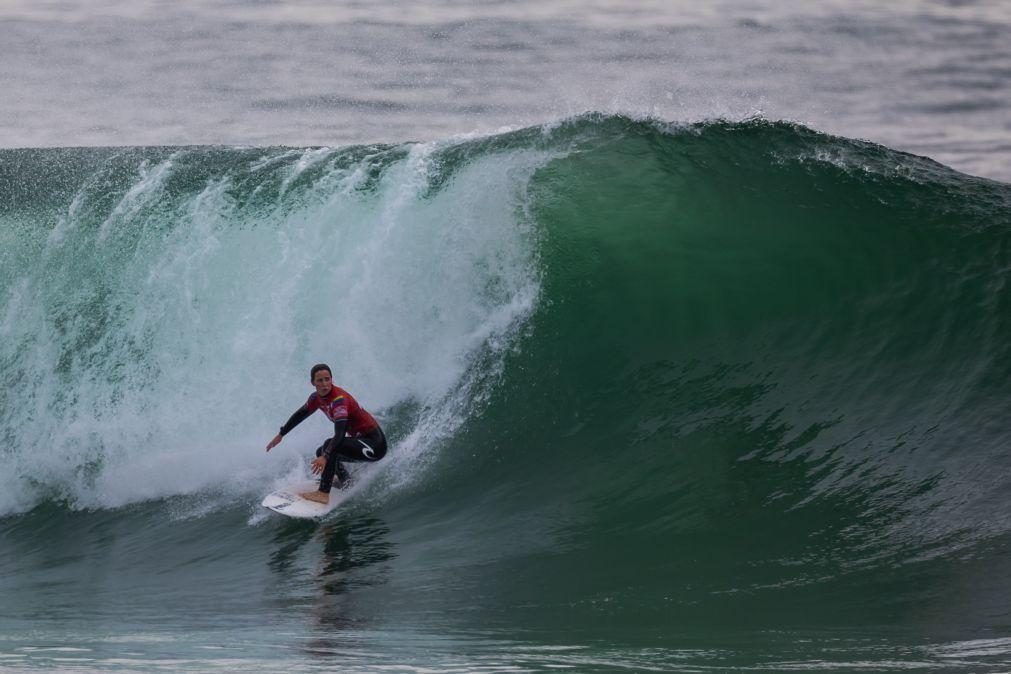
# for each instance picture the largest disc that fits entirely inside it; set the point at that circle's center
(356, 434)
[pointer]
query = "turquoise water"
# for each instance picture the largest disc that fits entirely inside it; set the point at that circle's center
(661, 397)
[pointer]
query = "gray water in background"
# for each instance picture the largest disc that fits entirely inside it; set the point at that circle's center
(928, 77)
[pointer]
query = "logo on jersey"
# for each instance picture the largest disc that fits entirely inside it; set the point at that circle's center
(336, 409)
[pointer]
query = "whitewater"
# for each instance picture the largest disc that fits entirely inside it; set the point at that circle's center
(174, 284)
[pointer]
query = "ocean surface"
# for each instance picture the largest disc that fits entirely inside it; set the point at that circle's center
(690, 329)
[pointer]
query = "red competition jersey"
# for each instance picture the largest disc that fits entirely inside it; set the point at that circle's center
(340, 405)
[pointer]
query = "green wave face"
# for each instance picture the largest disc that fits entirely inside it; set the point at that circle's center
(640, 379)
(765, 382)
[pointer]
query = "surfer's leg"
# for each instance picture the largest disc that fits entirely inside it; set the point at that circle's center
(333, 468)
(340, 470)
(365, 448)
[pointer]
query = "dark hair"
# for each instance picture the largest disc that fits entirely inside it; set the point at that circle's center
(317, 368)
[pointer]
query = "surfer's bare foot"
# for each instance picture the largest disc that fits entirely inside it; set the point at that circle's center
(317, 496)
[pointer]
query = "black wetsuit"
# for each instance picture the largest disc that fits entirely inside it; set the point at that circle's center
(357, 435)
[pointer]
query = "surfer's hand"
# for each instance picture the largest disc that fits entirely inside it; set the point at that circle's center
(274, 443)
(318, 464)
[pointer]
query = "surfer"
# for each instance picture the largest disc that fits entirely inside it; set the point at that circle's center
(356, 437)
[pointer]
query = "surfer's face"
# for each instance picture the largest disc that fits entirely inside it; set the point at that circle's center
(323, 382)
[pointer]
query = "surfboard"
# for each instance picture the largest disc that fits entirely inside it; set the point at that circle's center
(288, 502)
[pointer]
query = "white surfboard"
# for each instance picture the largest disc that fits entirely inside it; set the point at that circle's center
(288, 502)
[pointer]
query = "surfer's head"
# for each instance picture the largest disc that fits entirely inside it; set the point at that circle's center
(321, 378)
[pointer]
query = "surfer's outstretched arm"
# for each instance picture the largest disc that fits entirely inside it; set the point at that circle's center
(300, 415)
